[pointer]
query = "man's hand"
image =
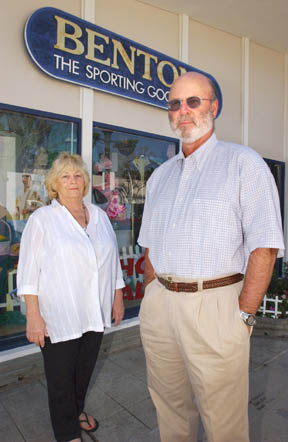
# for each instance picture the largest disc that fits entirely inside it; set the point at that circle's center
(118, 307)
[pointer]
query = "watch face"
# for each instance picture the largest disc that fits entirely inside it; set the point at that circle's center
(251, 320)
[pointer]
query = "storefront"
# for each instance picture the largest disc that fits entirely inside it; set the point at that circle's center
(101, 92)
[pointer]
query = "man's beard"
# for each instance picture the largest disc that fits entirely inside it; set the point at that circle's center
(192, 134)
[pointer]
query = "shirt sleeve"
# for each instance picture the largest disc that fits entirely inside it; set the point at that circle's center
(28, 271)
(259, 200)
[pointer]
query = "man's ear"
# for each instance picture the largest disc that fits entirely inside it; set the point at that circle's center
(214, 108)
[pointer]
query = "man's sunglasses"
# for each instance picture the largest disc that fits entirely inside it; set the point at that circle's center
(192, 102)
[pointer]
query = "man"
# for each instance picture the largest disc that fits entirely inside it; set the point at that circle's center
(28, 200)
(211, 215)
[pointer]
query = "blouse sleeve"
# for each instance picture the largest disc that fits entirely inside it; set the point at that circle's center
(28, 270)
(119, 279)
(119, 274)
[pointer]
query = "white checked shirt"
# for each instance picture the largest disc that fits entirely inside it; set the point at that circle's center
(206, 213)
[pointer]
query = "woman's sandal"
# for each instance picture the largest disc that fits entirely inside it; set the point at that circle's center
(86, 420)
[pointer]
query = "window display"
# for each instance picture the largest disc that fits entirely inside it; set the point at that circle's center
(28, 145)
(122, 163)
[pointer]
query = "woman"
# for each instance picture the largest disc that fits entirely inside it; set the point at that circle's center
(70, 276)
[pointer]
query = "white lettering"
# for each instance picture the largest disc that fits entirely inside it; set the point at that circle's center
(158, 93)
(72, 65)
(114, 79)
(102, 78)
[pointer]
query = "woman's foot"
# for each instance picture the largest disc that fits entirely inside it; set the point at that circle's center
(88, 423)
(76, 440)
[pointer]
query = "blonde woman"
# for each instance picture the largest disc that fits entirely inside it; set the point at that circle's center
(70, 276)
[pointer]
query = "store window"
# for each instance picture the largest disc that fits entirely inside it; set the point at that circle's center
(278, 171)
(123, 160)
(29, 142)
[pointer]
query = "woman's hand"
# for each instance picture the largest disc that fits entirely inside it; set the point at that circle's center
(118, 307)
(36, 329)
(35, 325)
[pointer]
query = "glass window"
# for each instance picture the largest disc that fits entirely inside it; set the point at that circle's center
(28, 145)
(278, 171)
(122, 164)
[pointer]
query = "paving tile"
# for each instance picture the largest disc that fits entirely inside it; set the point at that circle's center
(123, 388)
(28, 407)
(122, 427)
(268, 427)
(132, 361)
(264, 349)
(145, 412)
(100, 405)
(25, 401)
(8, 430)
(106, 369)
(36, 428)
(151, 436)
(117, 384)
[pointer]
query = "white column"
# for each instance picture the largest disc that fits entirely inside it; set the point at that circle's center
(184, 38)
(245, 91)
(285, 110)
(87, 101)
(285, 150)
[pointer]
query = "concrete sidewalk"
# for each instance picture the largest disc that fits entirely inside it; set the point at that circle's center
(119, 397)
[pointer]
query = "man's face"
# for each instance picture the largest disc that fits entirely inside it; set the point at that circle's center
(192, 124)
(26, 180)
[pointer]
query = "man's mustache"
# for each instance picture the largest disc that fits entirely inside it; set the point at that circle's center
(186, 118)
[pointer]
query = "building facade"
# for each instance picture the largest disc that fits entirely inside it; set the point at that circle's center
(121, 138)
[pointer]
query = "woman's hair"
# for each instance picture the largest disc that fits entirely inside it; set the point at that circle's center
(65, 160)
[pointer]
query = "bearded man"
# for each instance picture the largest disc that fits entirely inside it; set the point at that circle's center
(212, 230)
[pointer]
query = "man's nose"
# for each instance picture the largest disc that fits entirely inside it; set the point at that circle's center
(184, 108)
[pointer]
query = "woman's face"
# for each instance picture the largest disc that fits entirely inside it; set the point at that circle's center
(70, 184)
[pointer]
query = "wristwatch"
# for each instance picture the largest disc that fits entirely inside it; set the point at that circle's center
(248, 318)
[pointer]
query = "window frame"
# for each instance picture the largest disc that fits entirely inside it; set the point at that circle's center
(16, 340)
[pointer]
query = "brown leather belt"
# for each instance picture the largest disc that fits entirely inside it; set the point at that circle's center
(193, 286)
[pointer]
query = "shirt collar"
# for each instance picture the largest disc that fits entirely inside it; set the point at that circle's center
(200, 154)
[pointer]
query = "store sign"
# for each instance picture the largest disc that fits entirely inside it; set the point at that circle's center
(74, 50)
(133, 273)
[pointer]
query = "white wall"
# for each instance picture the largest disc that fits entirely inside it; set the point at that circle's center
(266, 120)
(22, 83)
(219, 53)
(151, 27)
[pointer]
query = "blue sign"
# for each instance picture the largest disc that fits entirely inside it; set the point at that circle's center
(74, 50)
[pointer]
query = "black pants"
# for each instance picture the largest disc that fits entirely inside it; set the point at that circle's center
(68, 369)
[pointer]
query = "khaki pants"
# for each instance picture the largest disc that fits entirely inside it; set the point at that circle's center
(197, 355)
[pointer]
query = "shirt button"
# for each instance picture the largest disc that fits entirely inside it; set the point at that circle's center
(174, 225)
(169, 253)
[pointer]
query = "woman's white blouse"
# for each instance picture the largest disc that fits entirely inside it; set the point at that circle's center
(73, 275)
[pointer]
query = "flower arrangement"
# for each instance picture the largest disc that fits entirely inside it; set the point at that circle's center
(277, 296)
